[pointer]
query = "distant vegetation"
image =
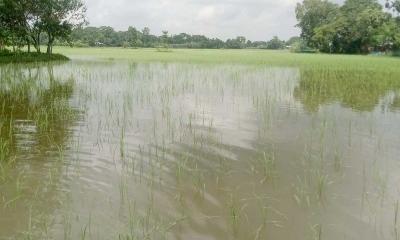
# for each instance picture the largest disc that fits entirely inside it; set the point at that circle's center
(108, 37)
(357, 26)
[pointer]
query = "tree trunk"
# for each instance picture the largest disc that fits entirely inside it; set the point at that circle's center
(35, 38)
(50, 44)
(38, 42)
(50, 48)
(29, 46)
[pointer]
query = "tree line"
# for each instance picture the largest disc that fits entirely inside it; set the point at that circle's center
(356, 26)
(26, 23)
(108, 37)
(33, 23)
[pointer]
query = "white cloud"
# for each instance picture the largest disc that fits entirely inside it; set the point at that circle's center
(206, 13)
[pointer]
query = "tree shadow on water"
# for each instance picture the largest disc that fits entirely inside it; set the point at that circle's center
(35, 122)
(360, 90)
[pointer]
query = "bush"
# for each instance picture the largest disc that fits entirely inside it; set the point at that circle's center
(80, 44)
(126, 45)
(4, 52)
(396, 53)
(301, 47)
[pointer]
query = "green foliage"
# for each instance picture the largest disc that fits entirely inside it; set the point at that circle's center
(108, 37)
(237, 43)
(301, 46)
(293, 40)
(358, 26)
(12, 22)
(275, 43)
(22, 23)
(233, 56)
(320, 87)
(312, 14)
(79, 44)
(396, 5)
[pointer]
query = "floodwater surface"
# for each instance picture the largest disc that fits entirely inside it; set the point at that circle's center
(119, 150)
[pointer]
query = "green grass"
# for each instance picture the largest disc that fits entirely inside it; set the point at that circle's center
(243, 56)
(25, 57)
(357, 81)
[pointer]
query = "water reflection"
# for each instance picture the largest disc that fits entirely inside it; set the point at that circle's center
(361, 90)
(35, 119)
(186, 151)
(395, 104)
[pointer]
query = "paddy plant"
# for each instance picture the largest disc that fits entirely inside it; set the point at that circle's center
(396, 219)
(167, 150)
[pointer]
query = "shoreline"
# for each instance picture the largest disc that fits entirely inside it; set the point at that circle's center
(25, 57)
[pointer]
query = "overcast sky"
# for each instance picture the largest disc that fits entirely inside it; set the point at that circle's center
(254, 19)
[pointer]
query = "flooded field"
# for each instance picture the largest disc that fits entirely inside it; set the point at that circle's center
(96, 149)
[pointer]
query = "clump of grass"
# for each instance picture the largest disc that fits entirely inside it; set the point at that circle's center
(4, 150)
(322, 182)
(25, 57)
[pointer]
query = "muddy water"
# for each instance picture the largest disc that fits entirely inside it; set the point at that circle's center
(118, 150)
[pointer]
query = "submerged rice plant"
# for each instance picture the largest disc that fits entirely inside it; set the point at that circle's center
(124, 149)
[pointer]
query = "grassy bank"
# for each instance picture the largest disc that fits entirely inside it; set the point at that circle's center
(25, 57)
(242, 56)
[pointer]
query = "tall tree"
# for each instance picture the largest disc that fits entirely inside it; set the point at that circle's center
(354, 30)
(145, 36)
(312, 14)
(12, 22)
(275, 43)
(358, 26)
(165, 38)
(59, 17)
(133, 37)
(34, 24)
(394, 5)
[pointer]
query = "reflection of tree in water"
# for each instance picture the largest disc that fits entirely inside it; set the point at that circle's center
(360, 90)
(35, 116)
(395, 105)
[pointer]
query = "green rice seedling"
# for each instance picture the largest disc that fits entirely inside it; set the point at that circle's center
(350, 133)
(83, 233)
(122, 144)
(174, 136)
(67, 226)
(234, 214)
(381, 181)
(269, 166)
(337, 161)
(4, 150)
(322, 183)
(60, 149)
(302, 194)
(317, 232)
(11, 202)
(396, 216)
